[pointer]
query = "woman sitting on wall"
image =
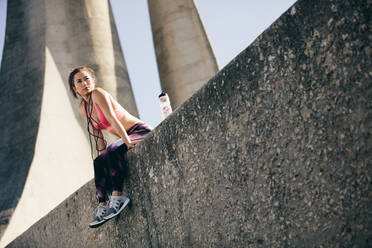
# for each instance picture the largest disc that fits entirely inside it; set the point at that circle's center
(102, 111)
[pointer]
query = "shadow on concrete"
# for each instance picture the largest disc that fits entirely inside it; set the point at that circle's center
(21, 83)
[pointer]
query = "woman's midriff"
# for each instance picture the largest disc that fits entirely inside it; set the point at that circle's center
(126, 119)
(127, 123)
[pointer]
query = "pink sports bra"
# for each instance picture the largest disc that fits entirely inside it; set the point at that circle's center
(103, 122)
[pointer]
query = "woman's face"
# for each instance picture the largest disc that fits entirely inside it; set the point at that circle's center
(83, 83)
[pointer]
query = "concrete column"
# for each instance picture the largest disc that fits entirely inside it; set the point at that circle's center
(84, 33)
(21, 82)
(44, 153)
(185, 58)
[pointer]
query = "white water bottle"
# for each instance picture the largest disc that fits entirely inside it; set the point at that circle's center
(165, 106)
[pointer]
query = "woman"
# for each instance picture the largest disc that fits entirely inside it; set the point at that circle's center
(101, 111)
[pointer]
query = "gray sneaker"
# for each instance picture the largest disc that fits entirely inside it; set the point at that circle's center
(101, 211)
(117, 204)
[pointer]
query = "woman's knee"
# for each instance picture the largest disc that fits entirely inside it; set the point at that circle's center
(99, 162)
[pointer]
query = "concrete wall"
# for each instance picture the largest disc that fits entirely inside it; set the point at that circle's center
(273, 152)
(40, 124)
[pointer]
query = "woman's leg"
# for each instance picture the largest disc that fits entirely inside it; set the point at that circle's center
(102, 178)
(102, 181)
(117, 163)
(117, 168)
(116, 159)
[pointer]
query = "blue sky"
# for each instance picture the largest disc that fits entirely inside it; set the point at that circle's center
(231, 26)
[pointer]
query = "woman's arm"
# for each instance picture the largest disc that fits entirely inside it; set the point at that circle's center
(102, 99)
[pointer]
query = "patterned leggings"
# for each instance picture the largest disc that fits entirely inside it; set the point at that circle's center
(109, 166)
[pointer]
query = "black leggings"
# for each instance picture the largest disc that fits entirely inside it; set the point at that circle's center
(109, 166)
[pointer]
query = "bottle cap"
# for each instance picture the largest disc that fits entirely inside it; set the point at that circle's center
(162, 94)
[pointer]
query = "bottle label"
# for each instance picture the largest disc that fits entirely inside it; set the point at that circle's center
(165, 106)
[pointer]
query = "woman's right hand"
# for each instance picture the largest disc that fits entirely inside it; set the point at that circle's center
(132, 144)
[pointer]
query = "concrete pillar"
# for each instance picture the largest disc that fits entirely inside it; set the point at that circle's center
(185, 58)
(44, 153)
(84, 33)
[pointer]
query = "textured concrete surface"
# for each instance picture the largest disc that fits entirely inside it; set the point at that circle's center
(273, 152)
(40, 124)
(21, 82)
(184, 55)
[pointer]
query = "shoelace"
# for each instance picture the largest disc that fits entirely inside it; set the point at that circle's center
(115, 203)
(101, 210)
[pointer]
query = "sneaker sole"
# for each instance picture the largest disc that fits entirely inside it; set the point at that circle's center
(98, 224)
(119, 211)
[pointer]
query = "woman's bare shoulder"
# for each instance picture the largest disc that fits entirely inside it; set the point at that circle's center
(99, 95)
(99, 91)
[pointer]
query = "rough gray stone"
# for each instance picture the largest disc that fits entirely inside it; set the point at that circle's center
(273, 152)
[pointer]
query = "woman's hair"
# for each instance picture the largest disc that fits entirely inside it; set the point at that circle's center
(76, 70)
